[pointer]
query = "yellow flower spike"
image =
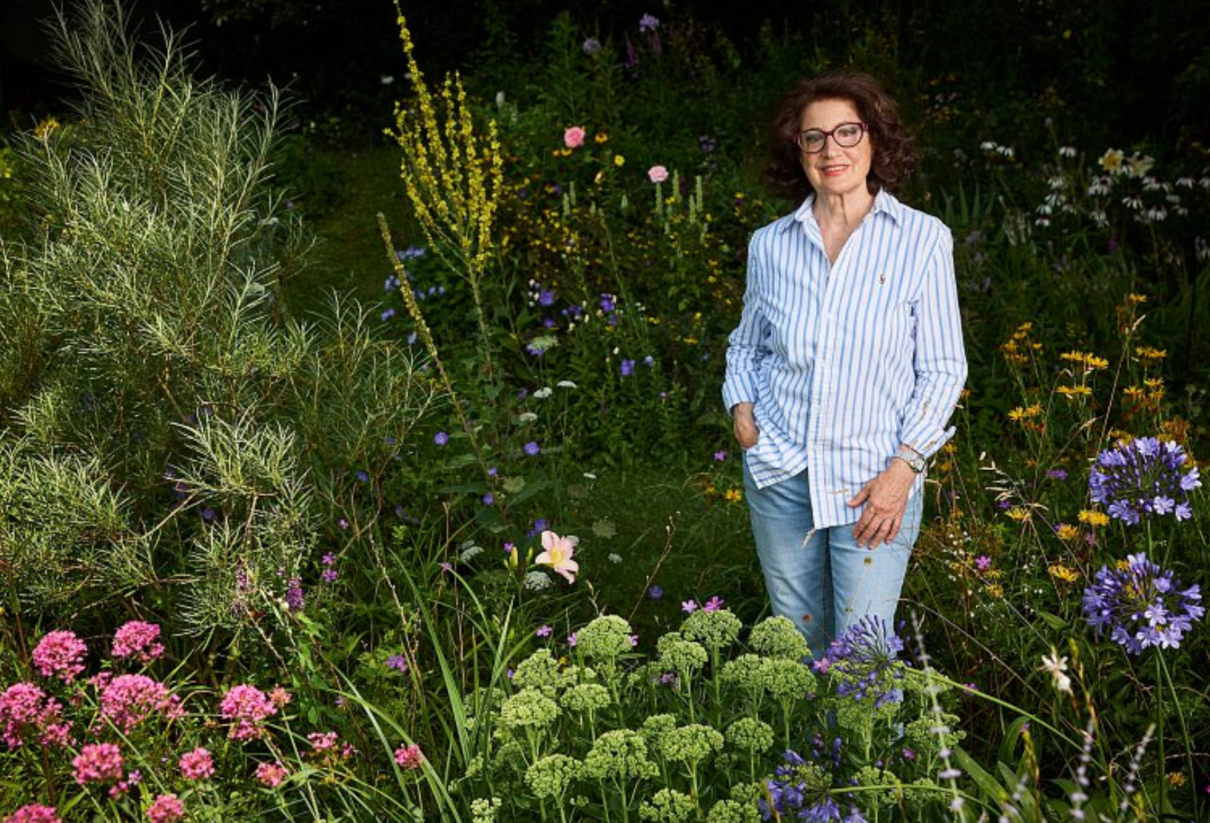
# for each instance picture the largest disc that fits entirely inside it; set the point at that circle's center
(1093, 518)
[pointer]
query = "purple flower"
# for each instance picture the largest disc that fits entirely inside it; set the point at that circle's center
(607, 303)
(1141, 605)
(208, 514)
(1057, 474)
(627, 368)
(655, 593)
(983, 562)
(329, 575)
(329, 559)
(396, 661)
(441, 438)
(363, 477)
(532, 448)
(714, 604)
(591, 46)
(544, 631)
(342, 524)
(648, 23)
(689, 606)
(387, 314)
(821, 665)
(489, 499)
(294, 595)
(1143, 478)
(797, 792)
(720, 456)
(571, 640)
(863, 661)
(493, 471)
(522, 394)
(546, 297)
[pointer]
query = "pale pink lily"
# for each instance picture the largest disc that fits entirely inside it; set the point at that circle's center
(559, 551)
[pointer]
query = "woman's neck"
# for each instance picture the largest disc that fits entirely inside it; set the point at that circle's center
(843, 210)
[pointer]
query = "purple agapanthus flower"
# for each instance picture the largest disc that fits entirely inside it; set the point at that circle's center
(1144, 478)
(1141, 605)
(863, 660)
(802, 790)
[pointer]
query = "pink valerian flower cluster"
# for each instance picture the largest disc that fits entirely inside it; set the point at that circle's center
(271, 774)
(138, 640)
(98, 763)
(60, 654)
(167, 808)
(409, 756)
(328, 750)
(129, 699)
(246, 708)
(197, 764)
(33, 813)
(27, 712)
(280, 697)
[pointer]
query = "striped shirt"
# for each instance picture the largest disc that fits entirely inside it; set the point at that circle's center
(846, 361)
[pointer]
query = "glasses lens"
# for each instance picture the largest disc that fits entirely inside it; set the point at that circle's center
(847, 135)
(811, 141)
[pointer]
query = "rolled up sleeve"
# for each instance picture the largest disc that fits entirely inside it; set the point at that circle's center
(746, 346)
(940, 359)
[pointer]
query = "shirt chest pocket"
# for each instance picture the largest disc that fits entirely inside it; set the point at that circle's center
(896, 335)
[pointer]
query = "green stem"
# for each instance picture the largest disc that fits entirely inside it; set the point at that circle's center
(1180, 715)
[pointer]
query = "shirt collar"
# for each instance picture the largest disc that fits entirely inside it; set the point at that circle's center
(884, 202)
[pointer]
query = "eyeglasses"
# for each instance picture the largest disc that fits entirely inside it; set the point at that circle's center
(846, 135)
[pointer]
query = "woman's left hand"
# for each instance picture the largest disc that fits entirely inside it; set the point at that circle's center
(885, 499)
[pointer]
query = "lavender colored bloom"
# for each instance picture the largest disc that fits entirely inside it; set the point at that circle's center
(591, 46)
(655, 593)
(330, 575)
(294, 595)
(489, 499)
(1144, 478)
(532, 448)
(546, 297)
(802, 790)
(208, 514)
(329, 559)
(648, 23)
(1057, 474)
(627, 368)
(607, 303)
(649, 361)
(441, 438)
(363, 477)
(863, 660)
(1141, 605)
(720, 455)
(983, 562)
(397, 662)
(544, 631)
(387, 314)
(548, 322)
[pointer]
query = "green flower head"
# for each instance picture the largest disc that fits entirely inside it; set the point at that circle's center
(744, 673)
(750, 735)
(681, 655)
(483, 810)
(717, 629)
(621, 754)
(786, 679)
(777, 637)
(883, 779)
(586, 697)
(508, 756)
(528, 707)
(551, 775)
(747, 794)
(929, 735)
(539, 671)
(655, 727)
(732, 811)
(691, 744)
(668, 806)
(606, 638)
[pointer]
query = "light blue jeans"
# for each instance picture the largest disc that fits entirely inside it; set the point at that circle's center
(821, 578)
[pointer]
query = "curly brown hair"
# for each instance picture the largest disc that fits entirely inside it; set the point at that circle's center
(894, 156)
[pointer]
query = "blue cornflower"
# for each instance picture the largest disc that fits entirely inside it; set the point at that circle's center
(532, 448)
(1142, 478)
(489, 499)
(441, 438)
(627, 368)
(1141, 605)
(546, 297)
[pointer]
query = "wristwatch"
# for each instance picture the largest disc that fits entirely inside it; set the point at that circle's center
(914, 460)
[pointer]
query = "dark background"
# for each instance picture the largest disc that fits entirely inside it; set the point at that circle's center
(1136, 69)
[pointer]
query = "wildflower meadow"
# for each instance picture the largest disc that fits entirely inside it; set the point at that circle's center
(364, 458)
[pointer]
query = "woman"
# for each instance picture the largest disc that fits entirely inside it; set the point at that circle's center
(847, 361)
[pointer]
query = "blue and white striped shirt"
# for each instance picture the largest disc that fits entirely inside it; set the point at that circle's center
(844, 362)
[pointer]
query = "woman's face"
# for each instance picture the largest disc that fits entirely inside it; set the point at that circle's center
(835, 170)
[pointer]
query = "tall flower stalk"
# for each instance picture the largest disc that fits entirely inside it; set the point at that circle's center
(453, 177)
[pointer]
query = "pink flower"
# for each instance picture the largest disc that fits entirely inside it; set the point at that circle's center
(98, 763)
(26, 710)
(573, 137)
(167, 808)
(271, 774)
(714, 604)
(138, 639)
(280, 697)
(328, 749)
(657, 174)
(129, 699)
(558, 554)
(33, 813)
(197, 764)
(409, 756)
(983, 562)
(689, 606)
(247, 707)
(60, 653)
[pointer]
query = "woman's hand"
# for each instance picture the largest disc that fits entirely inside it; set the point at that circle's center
(743, 421)
(885, 498)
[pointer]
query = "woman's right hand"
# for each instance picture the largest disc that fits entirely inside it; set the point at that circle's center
(743, 419)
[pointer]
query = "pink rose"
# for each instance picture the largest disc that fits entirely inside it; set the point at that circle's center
(657, 174)
(573, 137)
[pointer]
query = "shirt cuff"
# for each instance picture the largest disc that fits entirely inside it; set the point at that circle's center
(926, 437)
(739, 389)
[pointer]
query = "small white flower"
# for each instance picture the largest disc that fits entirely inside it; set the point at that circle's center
(1067, 151)
(526, 417)
(1132, 201)
(543, 392)
(615, 558)
(566, 384)
(1057, 666)
(386, 79)
(987, 146)
(470, 553)
(590, 475)
(1005, 151)
(1184, 182)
